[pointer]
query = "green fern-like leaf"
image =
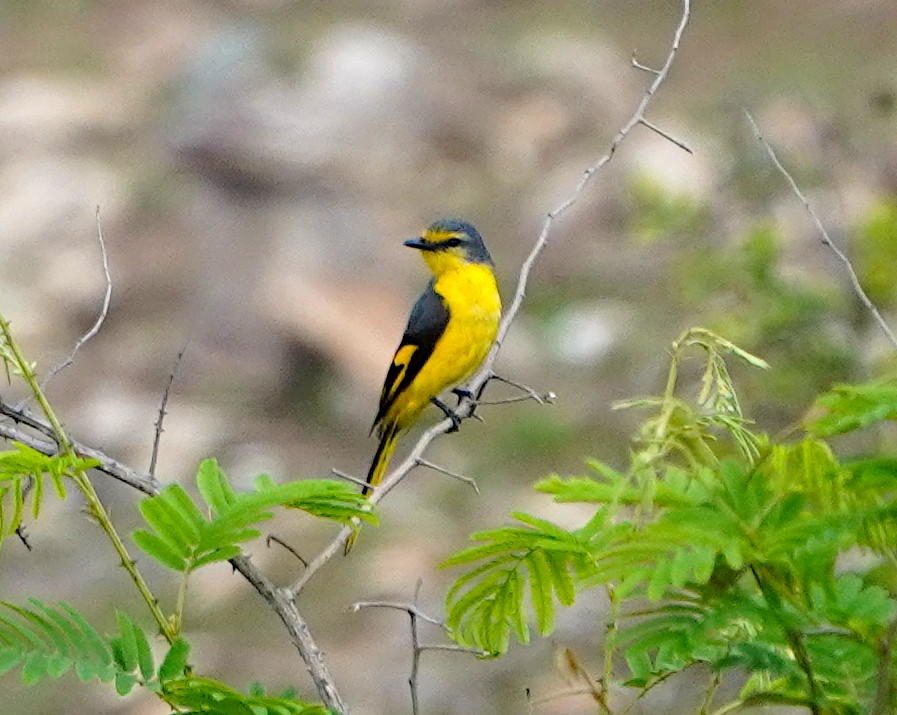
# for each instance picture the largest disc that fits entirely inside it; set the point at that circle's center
(851, 407)
(47, 641)
(22, 466)
(182, 538)
(204, 696)
(490, 602)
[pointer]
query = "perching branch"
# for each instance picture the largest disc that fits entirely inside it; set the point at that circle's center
(483, 375)
(284, 605)
(823, 235)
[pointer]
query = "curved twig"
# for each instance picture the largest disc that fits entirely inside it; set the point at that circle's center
(823, 235)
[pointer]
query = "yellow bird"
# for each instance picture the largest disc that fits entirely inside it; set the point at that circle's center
(450, 330)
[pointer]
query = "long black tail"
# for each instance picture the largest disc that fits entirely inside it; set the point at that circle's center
(380, 462)
(379, 465)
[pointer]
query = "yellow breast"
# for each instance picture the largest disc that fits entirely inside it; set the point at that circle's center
(474, 306)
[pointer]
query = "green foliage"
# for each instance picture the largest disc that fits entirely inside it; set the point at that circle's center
(717, 546)
(193, 696)
(184, 539)
(487, 603)
(656, 213)
(48, 641)
(851, 407)
(23, 472)
(875, 254)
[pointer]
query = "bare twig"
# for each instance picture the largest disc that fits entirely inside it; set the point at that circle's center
(452, 648)
(157, 437)
(482, 376)
(387, 485)
(349, 478)
(710, 692)
(542, 240)
(107, 465)
(561, 694)
(454, 475)
(101, 318)
(414, 615)
(729, 707)
(517, 398)
(644, 68)
(823, 234)
(410, 608)
(415, 660)
(657, 130)
(277, 540)
(643, 693)
(529, 393)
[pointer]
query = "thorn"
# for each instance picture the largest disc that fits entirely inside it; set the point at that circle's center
(281, 542)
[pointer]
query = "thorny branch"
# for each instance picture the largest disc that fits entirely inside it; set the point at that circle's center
(281, 601)
(466, 407)
(157, 436)
(823, 234)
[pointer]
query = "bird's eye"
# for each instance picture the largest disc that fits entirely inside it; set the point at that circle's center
(453, 242)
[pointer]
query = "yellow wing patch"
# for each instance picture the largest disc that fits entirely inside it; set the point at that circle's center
(402, 358)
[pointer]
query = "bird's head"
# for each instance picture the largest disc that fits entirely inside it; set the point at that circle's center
(449, 244)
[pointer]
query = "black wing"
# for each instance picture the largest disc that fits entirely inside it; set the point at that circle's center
(426, 324)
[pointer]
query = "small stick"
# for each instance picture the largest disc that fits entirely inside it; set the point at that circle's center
(654, 128)
(157, 438)
(454, 475)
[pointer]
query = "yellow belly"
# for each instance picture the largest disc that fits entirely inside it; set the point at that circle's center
(474, 312)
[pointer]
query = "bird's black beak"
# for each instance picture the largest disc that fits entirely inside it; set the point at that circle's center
(419, 244)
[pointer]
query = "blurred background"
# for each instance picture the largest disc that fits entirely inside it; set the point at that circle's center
(257, 165)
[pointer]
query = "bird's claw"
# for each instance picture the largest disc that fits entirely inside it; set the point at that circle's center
(450, 413)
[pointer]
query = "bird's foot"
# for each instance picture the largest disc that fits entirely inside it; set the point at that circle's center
(448, 412)
(461, 393)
